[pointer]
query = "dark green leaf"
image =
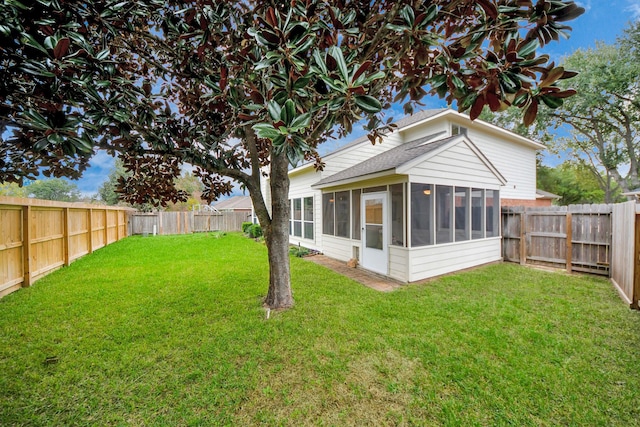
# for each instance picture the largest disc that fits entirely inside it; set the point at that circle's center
(368, 103)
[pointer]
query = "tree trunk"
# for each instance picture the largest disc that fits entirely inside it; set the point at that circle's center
(277, 237)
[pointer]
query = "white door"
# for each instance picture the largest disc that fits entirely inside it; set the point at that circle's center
(374, 236)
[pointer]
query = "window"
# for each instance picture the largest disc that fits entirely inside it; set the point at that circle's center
(301, 223)
(397, 214)
(477, 213)
(342, 214)
(297, 217)
(444, 214)
(458, 130)
(328, 204)
(355, 214)
(421, 214)
(493, 213)
(308, 217)
(461, 214)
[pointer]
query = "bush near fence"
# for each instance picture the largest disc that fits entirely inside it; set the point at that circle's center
(39, 236)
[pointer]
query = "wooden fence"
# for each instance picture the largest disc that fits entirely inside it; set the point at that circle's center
(39, 236)
(625, 263)
(596, 239)
(577, 237)
(164, 223)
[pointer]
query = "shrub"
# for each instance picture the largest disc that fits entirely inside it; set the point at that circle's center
(245, 226)
(299, 251)
(255, 231)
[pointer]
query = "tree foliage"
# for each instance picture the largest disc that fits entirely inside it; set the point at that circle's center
(12, 189)
(602, 121)
(54, 189)
(573, 182)
(108, 190)
(238, 88)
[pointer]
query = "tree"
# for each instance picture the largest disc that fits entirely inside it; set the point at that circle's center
(107, 192)
(241, 89)
(192, 187)
(54, 189)
(600, 125)
(574, 182)
(12, 189)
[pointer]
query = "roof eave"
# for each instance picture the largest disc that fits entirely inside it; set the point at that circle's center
(354, 179)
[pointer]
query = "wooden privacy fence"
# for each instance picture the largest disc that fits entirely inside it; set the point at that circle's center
(164, 223)
(38, 236)
(596, 239)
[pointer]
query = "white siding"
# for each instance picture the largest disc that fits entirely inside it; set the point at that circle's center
(300, 187)
(353, 155)
(515, 162)
(399, 263)
(425, 129)
(436, 260)
(339, 248)
(458, 165)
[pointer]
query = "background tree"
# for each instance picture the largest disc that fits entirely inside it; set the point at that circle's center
(12, 189)
(573, 182)
(238, 89)
(54, 189)
(600, 127)
(192, 187)
(107, 192)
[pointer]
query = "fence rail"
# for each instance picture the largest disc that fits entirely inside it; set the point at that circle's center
(39, 236)
(164, 223)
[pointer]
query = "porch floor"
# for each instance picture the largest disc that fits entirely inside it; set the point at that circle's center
(367, 278)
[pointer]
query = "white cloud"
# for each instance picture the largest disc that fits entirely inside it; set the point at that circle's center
(634, 9)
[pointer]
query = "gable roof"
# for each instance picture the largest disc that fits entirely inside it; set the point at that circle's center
(406, 154)
(419, 117)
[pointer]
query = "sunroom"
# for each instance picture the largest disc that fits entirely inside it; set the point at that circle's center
(422, 209)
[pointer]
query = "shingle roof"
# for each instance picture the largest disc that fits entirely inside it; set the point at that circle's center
(390, 159)
(409, 120)
(235, 202)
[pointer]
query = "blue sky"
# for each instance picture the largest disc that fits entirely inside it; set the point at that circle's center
(602, 21)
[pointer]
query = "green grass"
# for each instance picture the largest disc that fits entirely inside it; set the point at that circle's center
(171, 331)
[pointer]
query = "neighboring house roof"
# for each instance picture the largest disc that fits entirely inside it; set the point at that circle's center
(404, 155)
(234, 203)
(541, 194)
(632, 192)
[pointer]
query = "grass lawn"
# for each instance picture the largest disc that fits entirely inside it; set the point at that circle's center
(170, 331)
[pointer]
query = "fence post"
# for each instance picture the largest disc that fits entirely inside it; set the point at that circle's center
(636, 265)
(90, 226)
(523, 238)
(117, 226)
(26, 246)
(106, 227)
(65, 236)
(569, 234)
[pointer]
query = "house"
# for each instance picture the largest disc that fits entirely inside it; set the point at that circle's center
(545, 198)
(633, 194)
(235, 204)
(425, 202)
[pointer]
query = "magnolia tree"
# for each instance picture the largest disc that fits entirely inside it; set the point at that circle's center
(244, 89)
